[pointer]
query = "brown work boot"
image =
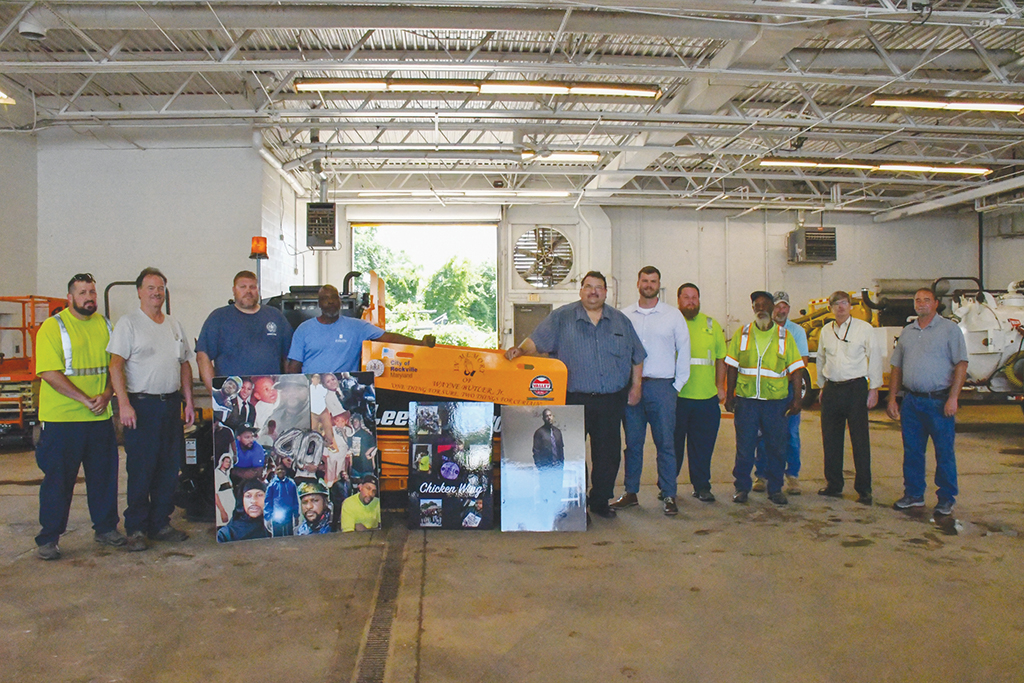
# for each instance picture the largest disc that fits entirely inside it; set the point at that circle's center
(626, 500)
(760, 485)
(793, 486)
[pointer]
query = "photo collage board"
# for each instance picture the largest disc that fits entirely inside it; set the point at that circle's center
(295, 455)
(450, 471)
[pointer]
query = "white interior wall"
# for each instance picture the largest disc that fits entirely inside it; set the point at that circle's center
(289, 262)
(1004, 249)
(730, 257)
(18, 216)
(189, 207)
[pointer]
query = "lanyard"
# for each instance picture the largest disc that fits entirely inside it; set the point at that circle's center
(843, 338)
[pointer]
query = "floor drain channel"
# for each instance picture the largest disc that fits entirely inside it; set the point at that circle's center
(378, 638)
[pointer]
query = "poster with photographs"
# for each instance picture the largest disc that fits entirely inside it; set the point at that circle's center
(450, 467)
(295, 455)
(543, 469)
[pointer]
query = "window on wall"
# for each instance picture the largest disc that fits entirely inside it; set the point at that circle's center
(441, 279)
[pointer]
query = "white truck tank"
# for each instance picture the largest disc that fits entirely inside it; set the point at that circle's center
(995, 339)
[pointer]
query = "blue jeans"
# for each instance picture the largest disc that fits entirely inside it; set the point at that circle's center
(64, 447)
(697, 422)
(792, 448)
(922, 418)
(769, 418)
(657, 407)
(153, 454)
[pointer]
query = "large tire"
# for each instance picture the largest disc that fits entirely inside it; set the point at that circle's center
(810, 398)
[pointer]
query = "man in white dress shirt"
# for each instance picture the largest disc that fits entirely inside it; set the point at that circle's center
(850, 371)
(666, 338)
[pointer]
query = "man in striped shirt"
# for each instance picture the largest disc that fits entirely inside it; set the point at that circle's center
(604, 358)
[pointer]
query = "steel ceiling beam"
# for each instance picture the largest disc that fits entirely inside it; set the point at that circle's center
(721, 76)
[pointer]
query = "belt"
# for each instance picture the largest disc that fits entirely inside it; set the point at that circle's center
(156, 397)
(941, 393)
(659, 379)
(848, 381)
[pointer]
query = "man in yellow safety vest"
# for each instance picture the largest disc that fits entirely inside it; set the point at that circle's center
(763, 360)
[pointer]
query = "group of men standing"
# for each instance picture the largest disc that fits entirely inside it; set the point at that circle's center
(650, 364)
(670, 368)
(145, 362)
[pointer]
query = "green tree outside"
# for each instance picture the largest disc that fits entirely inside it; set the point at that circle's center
(458, 303)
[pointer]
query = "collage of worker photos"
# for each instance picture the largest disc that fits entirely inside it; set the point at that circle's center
(295, 455)
(543, 469)
(450, 474)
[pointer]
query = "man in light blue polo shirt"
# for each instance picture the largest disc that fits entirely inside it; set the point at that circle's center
(666, 338)
(781, 318)
(334, 343)
(929, 365)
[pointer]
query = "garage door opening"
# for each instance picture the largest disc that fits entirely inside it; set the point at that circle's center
(441, 279)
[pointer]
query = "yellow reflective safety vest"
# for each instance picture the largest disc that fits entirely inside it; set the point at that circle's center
(763, 361)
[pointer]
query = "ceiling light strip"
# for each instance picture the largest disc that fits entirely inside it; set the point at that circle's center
(471, 87)
(950, 105)
(892, 168)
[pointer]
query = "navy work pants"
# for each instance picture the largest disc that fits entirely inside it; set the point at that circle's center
(63, 448)
(769, 417)
(697, 422)
(154, 451)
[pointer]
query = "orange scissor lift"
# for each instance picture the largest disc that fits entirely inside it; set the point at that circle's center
(403, 373)
(19, 385)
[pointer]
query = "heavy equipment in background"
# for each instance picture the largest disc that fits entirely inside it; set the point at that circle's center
(20, 318)
(991, 322)
(817, 315)
(992, 325)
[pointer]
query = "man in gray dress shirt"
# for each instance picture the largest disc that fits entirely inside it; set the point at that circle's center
(604, 358)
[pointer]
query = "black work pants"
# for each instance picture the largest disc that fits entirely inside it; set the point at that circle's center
(841, 405)
(602, 418)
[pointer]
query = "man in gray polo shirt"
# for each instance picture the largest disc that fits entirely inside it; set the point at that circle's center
(605, 360)
(929, 364)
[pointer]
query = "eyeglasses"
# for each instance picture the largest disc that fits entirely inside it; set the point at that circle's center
(83, 277)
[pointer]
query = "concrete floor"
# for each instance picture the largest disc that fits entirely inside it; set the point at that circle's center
(822, 590)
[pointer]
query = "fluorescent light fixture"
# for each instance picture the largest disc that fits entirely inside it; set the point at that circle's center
(336, 85)
(556, 194)
(801, 163)
(951, 105)
(5, 98)
(433, 86)
(462, 86)
(556, 157)
(522, 88)
(788, 162)
(920, 168)
(616, 90)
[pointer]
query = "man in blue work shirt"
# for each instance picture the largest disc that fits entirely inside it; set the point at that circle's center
(332, 342)
(243, 338)
(605, 361)
(781, 318)
(929, 365)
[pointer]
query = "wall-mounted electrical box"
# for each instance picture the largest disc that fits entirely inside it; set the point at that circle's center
(321, 225)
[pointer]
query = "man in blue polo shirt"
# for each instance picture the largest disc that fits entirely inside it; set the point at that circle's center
(243, 338)
(334, 343)
(929, 365)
